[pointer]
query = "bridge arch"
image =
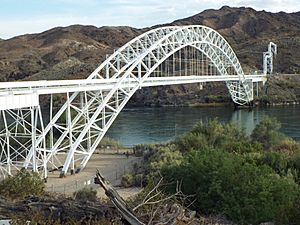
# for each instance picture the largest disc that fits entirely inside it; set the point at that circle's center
(130, 66)
(195, 35)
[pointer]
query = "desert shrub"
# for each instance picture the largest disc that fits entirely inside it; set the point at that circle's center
(144, 150)
(289, 215)
(276, 160)
(286, 144)
(190, 141)
(86, 194)
(267, 133)
(249, 179)
(225, 183)
(23, 184)
(163, 155)
(139, 180)
(127, 180)
(213, 134)
(294, 164)
(109, 142)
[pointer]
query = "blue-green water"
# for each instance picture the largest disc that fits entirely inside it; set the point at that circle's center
(156, 125)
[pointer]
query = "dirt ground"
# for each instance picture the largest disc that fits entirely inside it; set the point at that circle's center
(112, 164)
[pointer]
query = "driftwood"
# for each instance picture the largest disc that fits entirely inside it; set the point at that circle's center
(117, 200)
(169, 215)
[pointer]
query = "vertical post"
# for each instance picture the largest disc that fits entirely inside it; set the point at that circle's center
(158, 58)
(8, 161)
(140, 73)
(103, 118)
(51, 129)
(44, 142)
(118, 62)
(107, 70)
(180, 61)
(86, 121)
(69, 122)
(173, 65)
(8, 154)
(149, 61)
(33, 134)
(185, 59)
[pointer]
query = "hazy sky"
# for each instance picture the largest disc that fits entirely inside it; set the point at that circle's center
(31, 16)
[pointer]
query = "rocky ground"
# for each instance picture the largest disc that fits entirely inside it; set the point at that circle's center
(57, 207)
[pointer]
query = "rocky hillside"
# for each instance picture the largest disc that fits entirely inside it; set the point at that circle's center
(60, 53)
(75, 51)
(249, 31)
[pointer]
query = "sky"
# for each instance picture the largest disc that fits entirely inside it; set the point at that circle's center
(32, 16)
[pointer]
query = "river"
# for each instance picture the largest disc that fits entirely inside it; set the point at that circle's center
(157, 125)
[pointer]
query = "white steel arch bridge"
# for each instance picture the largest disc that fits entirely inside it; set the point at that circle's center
(68, 138)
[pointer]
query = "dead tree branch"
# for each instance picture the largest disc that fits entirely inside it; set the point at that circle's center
(163, 210)
(117, 200)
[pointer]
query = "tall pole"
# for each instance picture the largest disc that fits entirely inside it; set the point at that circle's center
(8, 160)
(51, 129)
(33, 135)
(69, 122)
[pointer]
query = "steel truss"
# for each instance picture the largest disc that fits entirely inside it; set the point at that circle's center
(79, 125)
(268, 58)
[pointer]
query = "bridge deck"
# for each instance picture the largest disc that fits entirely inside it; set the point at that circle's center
(63, 86)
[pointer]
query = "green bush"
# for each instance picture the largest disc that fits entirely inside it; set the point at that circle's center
(294, 164)
(276, 160)
(289, 215)
(143, 149)
(139, 180)
(225, 183)
(164, 155)
(127, 180)
(267, 133)
(23, 184)
(86, 194)
(286, 144)
(213, 134)
(109, 142)
(249, 179)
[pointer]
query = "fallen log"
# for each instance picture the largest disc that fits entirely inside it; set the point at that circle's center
(169, 214)
(117, 200)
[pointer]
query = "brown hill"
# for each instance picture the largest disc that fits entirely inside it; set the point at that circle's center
(75, 51)
(60, 53)
(249, 31)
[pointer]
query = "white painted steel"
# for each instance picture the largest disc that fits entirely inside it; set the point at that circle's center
(92, 105)
(29, 91)
(268, 58)
(15, 101)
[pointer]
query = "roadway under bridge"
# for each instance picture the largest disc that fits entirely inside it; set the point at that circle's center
(69, 136)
